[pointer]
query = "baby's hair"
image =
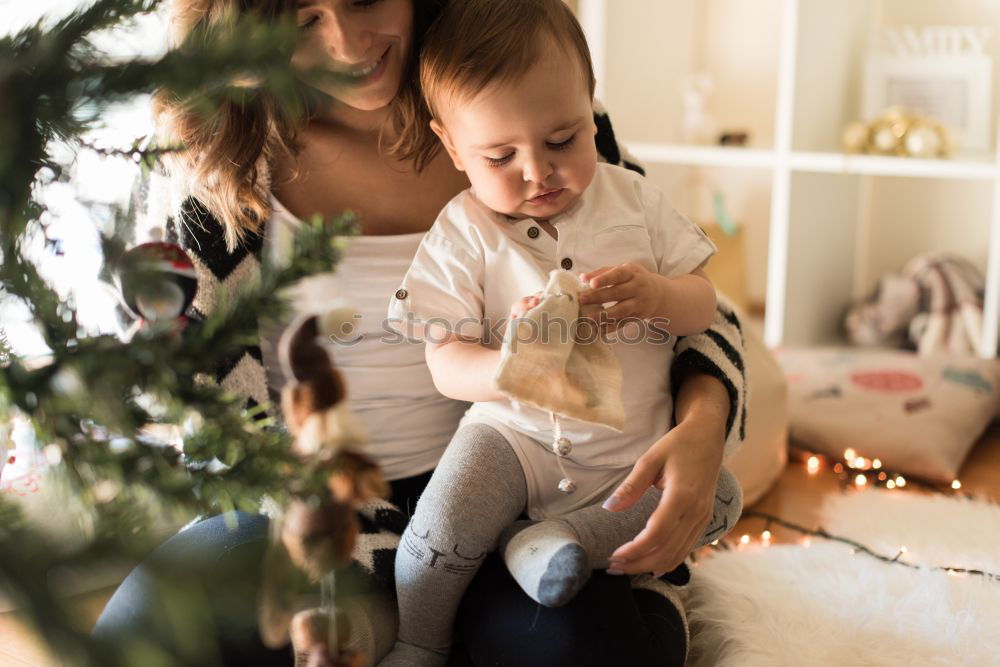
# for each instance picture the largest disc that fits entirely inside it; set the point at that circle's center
(476, 43)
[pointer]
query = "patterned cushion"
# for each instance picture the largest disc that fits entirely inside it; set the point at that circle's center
(919, 415)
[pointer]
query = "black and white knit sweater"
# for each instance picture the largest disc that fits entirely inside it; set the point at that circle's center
(222, 274)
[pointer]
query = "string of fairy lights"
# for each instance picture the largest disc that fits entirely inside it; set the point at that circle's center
(857, 472)
(862, 472)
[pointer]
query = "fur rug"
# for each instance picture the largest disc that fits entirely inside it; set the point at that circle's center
(821, 606)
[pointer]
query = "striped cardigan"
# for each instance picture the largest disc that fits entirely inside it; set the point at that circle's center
(222, 274)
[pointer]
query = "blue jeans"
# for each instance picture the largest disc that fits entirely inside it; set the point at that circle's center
(216, 571)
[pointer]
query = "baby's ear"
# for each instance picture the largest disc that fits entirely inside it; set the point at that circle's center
(449, 145)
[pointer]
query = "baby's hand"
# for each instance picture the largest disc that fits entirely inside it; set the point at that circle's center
(636, 289)
(524, 304)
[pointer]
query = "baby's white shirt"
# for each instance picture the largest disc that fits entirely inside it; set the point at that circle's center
(475, 263)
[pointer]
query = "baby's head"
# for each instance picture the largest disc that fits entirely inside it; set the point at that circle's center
(510, 87)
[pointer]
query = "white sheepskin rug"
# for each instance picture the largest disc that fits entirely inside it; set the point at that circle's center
(819, 605)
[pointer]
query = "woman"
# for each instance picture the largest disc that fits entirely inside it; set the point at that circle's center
(252, 175)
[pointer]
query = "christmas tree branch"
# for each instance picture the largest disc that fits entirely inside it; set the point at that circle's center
(92, 399)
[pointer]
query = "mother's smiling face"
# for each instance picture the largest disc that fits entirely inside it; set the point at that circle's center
(366, 43)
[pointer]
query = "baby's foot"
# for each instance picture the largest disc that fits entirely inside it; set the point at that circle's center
(408, 655)
(546, 559)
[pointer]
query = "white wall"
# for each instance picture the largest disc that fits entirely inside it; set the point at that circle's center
(652, 45)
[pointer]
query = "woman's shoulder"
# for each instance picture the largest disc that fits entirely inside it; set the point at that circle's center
(195, 229)
(608, 148)
(219, 269)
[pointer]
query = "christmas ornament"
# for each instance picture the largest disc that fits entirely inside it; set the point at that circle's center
(157, 281)
(311, 631)
(316, 535)
(898, 132)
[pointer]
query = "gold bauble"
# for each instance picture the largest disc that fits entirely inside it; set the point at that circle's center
(887, 134)
(856, 138)
(923, 139)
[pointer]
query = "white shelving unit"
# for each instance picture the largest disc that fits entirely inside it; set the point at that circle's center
(811, 271)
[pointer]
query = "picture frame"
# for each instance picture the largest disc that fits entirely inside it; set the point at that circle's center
(955, 90)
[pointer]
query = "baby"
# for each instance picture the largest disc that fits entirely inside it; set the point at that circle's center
(510, 87)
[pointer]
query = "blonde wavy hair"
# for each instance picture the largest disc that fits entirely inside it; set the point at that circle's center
(228, 155)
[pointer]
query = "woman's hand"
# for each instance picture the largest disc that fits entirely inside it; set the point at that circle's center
(685, 465)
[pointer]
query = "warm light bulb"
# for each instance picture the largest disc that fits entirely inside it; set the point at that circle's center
(876, 464)
(956, 485)
(902, 550)
(850, 455)
(745, 539)
(838, 468)
(715, 543)
(766, 535)
(900, 482)
(860, 480)
(890, 484)
(882, 476)
(859, 462)
(812, 465)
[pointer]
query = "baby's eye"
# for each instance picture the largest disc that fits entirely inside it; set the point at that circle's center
(561, 145)
(499, 161)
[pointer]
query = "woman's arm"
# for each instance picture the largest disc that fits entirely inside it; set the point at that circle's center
(684, 464)
(709, 407)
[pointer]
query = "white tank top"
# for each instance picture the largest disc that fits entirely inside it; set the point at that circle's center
(388, 383)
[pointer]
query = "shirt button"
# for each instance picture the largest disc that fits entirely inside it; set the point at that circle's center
(533, 232)
(401, 294)
(567, 263)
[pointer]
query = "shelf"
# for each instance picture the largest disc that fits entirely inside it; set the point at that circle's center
(876, 165)
(703, 156)
(831, 163)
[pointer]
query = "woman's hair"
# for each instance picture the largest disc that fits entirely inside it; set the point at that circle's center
(229, 154)
(476, 43)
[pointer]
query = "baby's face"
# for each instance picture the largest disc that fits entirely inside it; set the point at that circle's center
(526, 145)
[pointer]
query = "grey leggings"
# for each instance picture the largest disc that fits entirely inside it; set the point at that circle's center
(477, 490)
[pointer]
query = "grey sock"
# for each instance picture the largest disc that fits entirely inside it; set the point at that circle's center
(547, 560)
(552, 560)
(476, 490)
(561, 552)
